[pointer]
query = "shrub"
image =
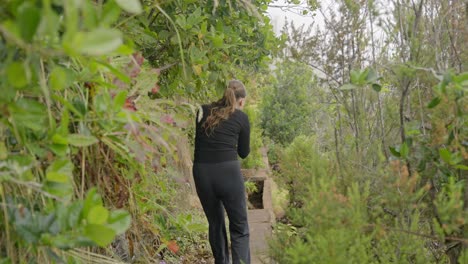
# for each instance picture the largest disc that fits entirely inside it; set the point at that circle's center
(255, 158)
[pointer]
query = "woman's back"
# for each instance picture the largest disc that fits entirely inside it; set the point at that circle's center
(229, 139)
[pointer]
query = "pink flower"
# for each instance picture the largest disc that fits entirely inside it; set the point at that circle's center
(135, 71)
(167, 119)
(117, 82)
(138, 58)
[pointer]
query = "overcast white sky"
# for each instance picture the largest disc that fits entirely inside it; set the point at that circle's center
(278, 15)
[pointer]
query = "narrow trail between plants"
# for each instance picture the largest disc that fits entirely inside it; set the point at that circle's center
(262, 218)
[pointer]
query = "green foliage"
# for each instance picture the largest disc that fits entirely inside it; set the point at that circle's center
(203, 43)
(68, 123)
(365, 77)
(255, 158)
(274, 151)
(402, 151)
(74, 114)
(250, 187)
(301, 163)
(388, 223)
(65, 226)
(332, 226)
(286, 106)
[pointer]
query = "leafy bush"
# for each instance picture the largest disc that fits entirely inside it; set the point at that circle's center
(255, 158)
(328, 226)
(274, 151)
(400, 215)
(84, 112)
(300, 163)
(203, 43)
(69, 124)
(286, 107)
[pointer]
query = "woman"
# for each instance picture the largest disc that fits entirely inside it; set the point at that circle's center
(223, 133)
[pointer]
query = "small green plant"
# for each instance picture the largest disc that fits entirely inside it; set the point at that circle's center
(250, 187)
(68, 225)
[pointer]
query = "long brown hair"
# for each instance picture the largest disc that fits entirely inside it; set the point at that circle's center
(223, 108)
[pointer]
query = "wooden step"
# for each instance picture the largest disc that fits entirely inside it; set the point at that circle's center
(259, 216)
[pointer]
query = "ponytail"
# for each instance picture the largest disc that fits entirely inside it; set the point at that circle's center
(223, 108)
(230, 97)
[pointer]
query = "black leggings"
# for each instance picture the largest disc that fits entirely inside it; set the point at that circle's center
(221, 184)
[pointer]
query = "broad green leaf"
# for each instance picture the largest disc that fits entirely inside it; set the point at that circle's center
(71, 19)
(125, 50)
(434, 102)
(355, 76)
(404, 150)
(461, 79)
(456, 158)
(64, 122)
(194, 18)
(60, 222)
(63, 190)
(99, 41)
(377, 87)
(395, 152)
(29, 113)
(60, 170)
(203, 28)
(348, 86)
(100, 234)
(44, 221)
(363, 76)
(60, 241)
(78, 106)
(28, 20)
(59, 78)
(16, 75)
(79, 140)
(38, 151)
(29, 233)
(59, 149)
(97, 215)
(461, 167)
(182, 22)
(50, 23)
(102, 103)
(197, 56)
(372, 76)
(119, 221)
(446, 155)
(119, 100)
(92, 199)
(110, 13)
(131, 6)
(89, 12)
(74, 214)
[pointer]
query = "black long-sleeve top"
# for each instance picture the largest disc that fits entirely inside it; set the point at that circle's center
(229, 139)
